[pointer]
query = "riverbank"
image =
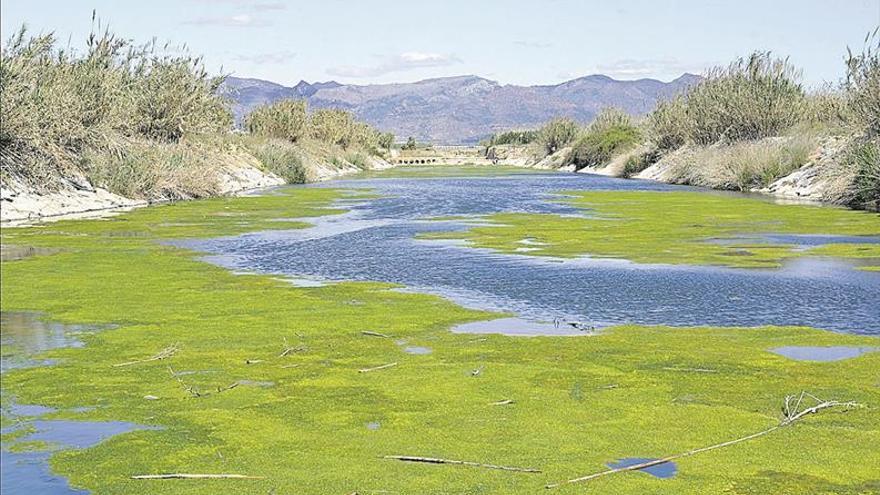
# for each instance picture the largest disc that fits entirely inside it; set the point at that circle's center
(240, 173)
(817, 177)
(229, 369)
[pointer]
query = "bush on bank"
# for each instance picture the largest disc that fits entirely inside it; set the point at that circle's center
(611, 133)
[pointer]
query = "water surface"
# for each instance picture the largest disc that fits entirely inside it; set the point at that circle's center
(376, 241)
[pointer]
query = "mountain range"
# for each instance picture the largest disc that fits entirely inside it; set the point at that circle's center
(461, 109)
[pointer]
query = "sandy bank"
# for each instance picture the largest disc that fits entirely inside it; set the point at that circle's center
(23, 204)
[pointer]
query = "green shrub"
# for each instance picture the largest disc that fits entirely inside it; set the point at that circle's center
(863, 84)
(556, 134)
(365, 136)
(667, 125)
(639, 162)
(285, 119)
(333, 126)
(611, 133)
(280, 157)
(864, 157)
(358, 159)
(610, 118)
(386, 140)
(512, 137)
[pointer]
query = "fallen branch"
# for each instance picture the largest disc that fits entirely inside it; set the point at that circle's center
(377, 368)
(187, 476)
(436, 460)
(196, 392)
(375, 334)
(790, 416)
(288, 350)
(163, 354)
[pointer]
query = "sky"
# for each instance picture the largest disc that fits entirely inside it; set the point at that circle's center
(509, 41)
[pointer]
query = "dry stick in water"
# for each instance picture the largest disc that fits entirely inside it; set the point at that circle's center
(791, 416)
(436, 460)
(377, 368)
(186, 476)
(375, 334)
(288, 350)
(163, 354)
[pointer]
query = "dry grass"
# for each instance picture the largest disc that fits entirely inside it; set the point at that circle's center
(153, 171)
(741, 166)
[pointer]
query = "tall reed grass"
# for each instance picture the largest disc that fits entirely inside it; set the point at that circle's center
(62, 107)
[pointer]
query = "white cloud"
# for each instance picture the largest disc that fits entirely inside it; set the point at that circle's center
(245, 16)
(253, 5)
(629, 68)
(236, 20)
(533, 44)
(278, 57)
(398, 63)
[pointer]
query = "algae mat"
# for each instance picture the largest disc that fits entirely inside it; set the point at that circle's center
(261, 378)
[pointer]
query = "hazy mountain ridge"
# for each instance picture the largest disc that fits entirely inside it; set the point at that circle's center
(461, 109)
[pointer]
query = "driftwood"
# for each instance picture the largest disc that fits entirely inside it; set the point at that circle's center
(791, 414)
(377, 368)
(375, 334)
(436, 460)
(163, 354)
(188, 476)
(289, 350)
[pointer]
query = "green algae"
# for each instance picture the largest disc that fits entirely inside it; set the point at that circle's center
(578, 402)
(673, 228)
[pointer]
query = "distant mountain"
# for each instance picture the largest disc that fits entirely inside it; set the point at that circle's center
(461, 109)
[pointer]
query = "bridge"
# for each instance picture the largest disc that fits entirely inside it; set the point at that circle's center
(446, 155)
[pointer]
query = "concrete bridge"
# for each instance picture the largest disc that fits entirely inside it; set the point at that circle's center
(446, 155)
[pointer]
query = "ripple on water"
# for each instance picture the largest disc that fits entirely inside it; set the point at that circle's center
(518, 327)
